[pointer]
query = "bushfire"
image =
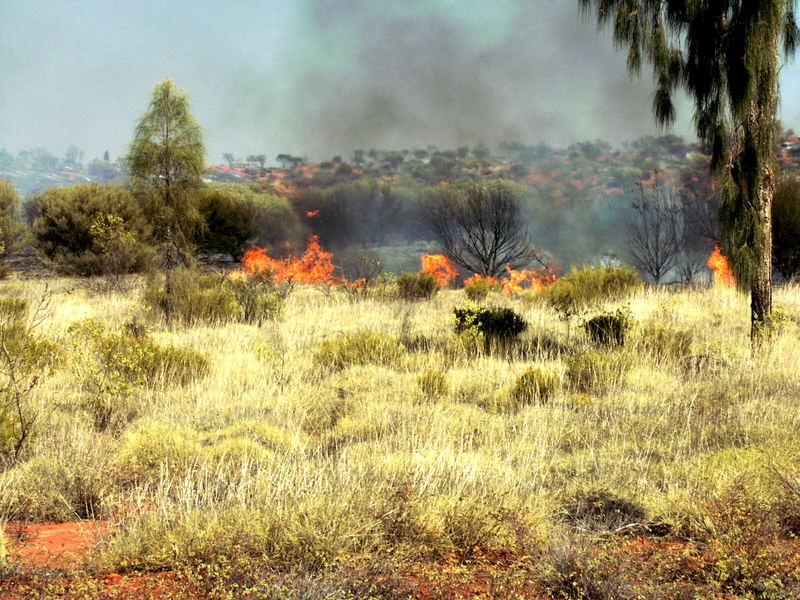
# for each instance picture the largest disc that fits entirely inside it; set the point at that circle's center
(442, 269)
(723, 276)
(315, 266)
(526, 280)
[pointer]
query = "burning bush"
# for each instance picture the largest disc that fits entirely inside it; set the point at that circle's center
(360, 348)
(417, 286)
(587, 286)
(440, 268)
(477, 287)
(610, 328)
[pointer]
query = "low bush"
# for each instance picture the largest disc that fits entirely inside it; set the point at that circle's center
(599, 510)
(111, 365)
(65, 237)
(417, 286)
(150, 449)
(610, 328)
(587, 286)
(596, 372)
(489, 327)
(360, 348)
(432, 383)
(477, 288)
(193, 298)
(536, 385)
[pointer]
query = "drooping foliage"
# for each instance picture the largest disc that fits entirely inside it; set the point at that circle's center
(725, 54)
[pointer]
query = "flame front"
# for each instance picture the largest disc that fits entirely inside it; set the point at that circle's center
(526, 280)
(442, 269)
(315, 266)
(478, 277)
(312, 213)
(723, 276)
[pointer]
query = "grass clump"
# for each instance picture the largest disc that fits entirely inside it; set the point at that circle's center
(360, 348)
(536, 385)
(596, 372)
(417, 286)
(192, 298)
(587, 286)
(665, 342)
(150, 449)
(609, 328)
(432, 383)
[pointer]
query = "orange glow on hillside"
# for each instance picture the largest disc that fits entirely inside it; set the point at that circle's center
(312, 213)
(723, 276)
(442, 269)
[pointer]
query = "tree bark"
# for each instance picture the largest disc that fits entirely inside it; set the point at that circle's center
(761, 285)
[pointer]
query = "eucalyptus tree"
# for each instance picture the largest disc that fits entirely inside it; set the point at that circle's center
(726, 55)
(166, 161)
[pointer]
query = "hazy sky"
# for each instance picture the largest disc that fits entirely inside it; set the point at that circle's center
(321, 77)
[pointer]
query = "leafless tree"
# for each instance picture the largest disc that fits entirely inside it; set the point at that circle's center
(655, 231)
(480, 227)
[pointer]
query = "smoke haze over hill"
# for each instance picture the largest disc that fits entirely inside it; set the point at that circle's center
(319, 77)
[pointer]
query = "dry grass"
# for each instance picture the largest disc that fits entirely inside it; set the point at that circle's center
(272, 455)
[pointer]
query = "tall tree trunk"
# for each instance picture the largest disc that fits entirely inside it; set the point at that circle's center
(761, 285)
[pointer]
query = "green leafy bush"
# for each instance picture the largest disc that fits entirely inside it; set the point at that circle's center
(360, 348)
(14, 233)
(490, 325)
(417, 286)
(193, 298)
(478, 288)
(536, 385)
(596, 371)
(610, 328)
(64, 234)
(587, 286)
(228, 210)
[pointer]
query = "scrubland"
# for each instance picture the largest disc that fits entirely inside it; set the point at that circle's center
(350, 441)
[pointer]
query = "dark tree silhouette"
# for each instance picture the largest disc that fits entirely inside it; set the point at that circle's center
(480, 227)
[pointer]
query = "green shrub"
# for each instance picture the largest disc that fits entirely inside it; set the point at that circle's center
(433, 383)
(417, 286)
(596, 372)
(151, 449)
(274, 220)
(228, 210)
(193, 298)
(536, 385)
(14, 233)
(587, 286)
(488, 324)
(610, 328)
(360, 348)
(64, 235)
(478, 288)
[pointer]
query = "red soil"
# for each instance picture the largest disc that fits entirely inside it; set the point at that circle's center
(54, 545)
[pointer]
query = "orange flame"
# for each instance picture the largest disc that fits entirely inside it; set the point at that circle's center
(312, 213)
(442, 269)
(526, 280)
(723, 276)
(315, 266)
(477, 277)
